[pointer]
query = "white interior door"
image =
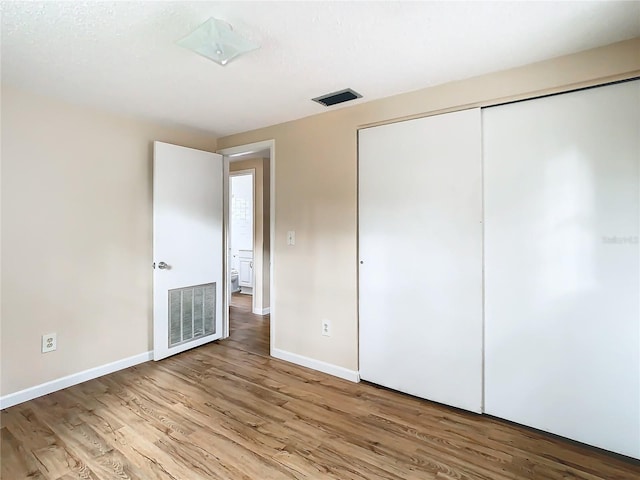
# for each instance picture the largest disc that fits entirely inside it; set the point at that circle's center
(562, 210)
(420, 246)
(188, 249)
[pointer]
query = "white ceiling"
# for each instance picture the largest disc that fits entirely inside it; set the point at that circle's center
(122, 56)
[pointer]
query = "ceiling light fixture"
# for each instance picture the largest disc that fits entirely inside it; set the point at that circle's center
(216, 40)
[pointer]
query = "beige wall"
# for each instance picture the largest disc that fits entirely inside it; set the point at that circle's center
(76, 236)
(77, 225)
(261, 227)
(316, 190)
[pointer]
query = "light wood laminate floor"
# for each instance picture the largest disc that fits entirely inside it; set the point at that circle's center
(228, 411)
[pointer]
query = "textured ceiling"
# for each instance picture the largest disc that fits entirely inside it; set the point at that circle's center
(122, 56)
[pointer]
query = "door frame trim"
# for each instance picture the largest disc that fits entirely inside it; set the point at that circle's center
(245, 149)
(240, 173)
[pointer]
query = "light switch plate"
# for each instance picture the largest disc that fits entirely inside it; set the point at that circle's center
(291, 237)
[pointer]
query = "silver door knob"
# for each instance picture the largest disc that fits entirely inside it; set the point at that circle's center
(163, 266)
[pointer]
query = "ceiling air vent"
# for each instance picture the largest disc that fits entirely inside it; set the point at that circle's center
(337, 97)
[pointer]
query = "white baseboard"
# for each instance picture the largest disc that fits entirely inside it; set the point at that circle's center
(264, 311)
(54, 385)
(336, 371)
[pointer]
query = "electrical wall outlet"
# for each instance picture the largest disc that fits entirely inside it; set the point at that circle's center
(49, 342)
(326, 328)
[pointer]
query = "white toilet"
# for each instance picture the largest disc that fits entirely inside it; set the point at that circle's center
(235, 284)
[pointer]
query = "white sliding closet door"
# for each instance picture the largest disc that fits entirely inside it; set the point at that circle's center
(562, 315)
(420, 246)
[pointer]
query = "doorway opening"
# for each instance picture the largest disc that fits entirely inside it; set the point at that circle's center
(242, 232)
(249, 231)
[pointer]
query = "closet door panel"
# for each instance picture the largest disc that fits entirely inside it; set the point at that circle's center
(562, 315)
(420, 245)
